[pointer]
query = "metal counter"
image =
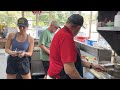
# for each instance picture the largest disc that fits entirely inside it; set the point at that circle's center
(102, 54)
(112, 72)
(100, 75)
(36, 53)
(92, 74)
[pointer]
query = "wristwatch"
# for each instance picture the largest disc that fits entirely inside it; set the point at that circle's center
(91, 66)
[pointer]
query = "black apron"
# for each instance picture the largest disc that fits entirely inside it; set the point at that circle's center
(78, 65)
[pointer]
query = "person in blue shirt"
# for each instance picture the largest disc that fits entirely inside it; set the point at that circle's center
(19, 46)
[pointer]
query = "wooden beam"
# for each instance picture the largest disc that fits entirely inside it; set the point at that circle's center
(37, 19)
(22, 12)
(90, 23)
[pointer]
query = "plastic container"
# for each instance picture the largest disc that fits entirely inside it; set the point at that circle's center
(82, 39)
(90, 42)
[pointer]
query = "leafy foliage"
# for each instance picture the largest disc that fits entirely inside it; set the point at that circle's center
(9, 17)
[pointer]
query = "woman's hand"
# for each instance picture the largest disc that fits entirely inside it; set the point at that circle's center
(14, 53)
(21, 54)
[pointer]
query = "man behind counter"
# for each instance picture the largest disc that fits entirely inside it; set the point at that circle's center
(63, 52)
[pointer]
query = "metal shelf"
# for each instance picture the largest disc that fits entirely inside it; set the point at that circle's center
(109, 28)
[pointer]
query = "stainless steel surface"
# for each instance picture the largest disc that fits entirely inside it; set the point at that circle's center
(117, 66)
(112, 36)
(87, 74)
(36, 53)
(87, 48)
(117, 59)
(36, 42)
(103, 55)
(109, 28)
(112, 72)
(37, 68)
(101, 75)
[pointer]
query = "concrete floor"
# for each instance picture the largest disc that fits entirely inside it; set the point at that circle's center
(3, 64)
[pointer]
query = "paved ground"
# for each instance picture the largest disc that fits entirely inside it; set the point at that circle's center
(3, 64)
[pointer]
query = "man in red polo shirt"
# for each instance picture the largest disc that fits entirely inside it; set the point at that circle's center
(63, 52)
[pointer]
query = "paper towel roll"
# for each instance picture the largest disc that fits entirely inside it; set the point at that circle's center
(117, 21)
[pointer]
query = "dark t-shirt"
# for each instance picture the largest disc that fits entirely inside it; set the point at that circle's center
(78, 65)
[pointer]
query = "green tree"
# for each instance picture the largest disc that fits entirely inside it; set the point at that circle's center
(9, 17)
(61, 16)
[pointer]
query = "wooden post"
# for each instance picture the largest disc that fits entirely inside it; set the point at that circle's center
(90, 22)
(37, 19)
(50, 17)
(22, 12)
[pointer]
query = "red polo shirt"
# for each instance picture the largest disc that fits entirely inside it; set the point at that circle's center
(62, 50)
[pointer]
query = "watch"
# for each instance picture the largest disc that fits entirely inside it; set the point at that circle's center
(91, 66)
